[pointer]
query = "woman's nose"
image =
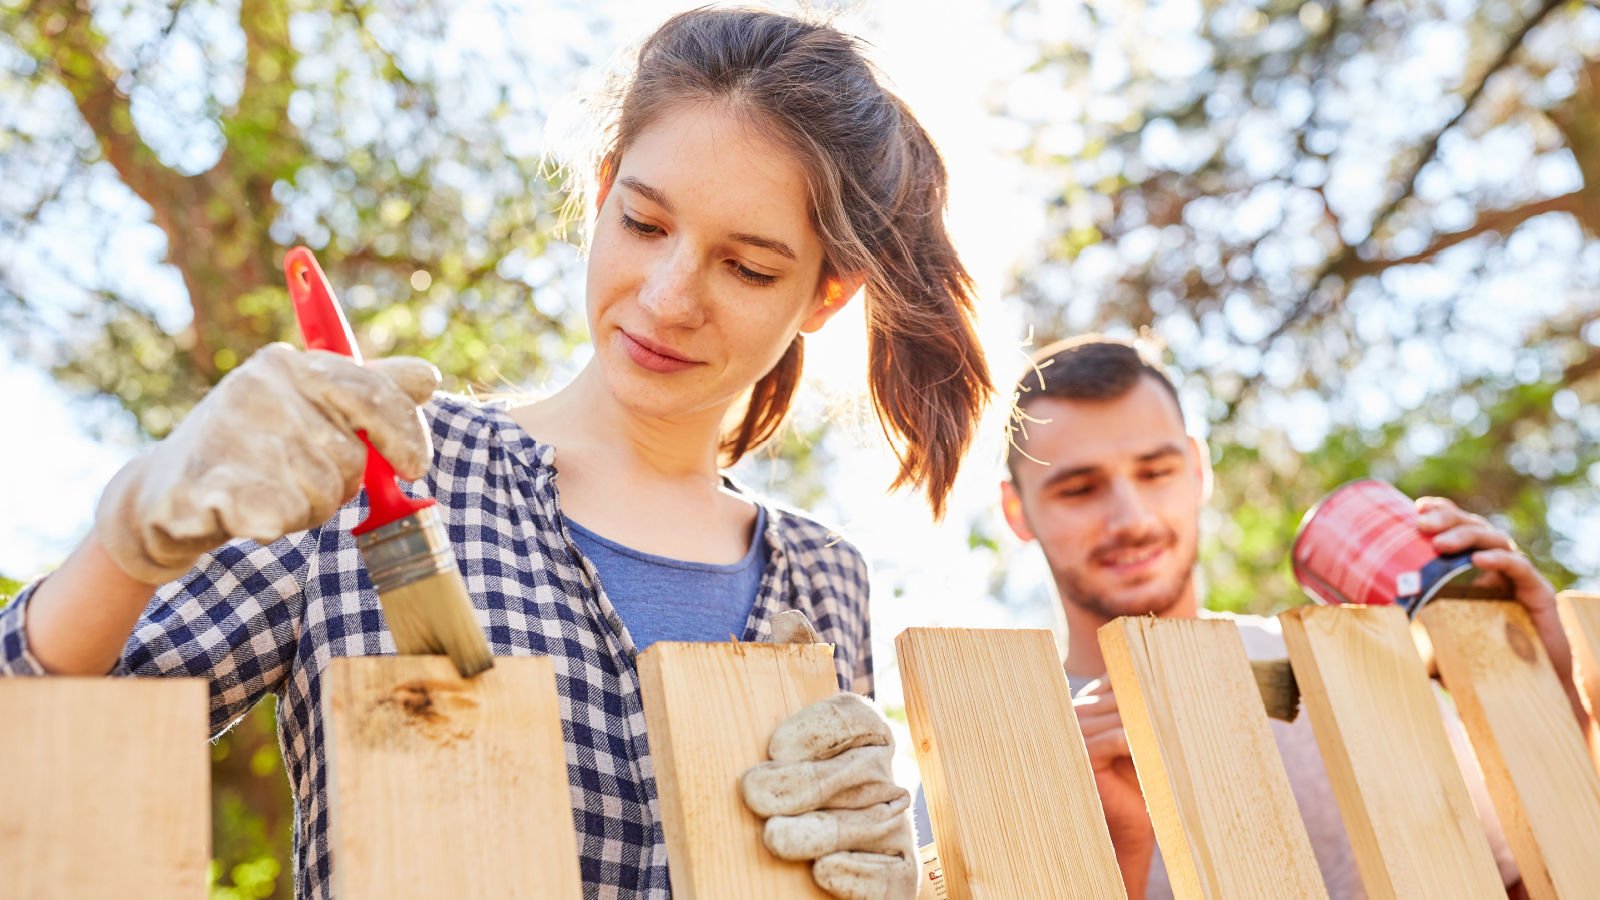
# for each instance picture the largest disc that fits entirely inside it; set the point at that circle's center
(673, 291)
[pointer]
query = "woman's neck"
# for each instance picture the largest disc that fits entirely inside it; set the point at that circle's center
(585, 418)
(635, 479)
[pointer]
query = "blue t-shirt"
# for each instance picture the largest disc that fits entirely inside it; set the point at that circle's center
(663, 599)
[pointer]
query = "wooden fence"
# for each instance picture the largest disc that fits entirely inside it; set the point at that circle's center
(443, 787)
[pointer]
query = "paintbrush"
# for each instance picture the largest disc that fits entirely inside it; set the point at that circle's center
(403, 540)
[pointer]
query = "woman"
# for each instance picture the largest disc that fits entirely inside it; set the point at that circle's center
(754, 175)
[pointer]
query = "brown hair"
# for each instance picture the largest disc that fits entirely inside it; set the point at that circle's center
(877, 202)
(1087, 367)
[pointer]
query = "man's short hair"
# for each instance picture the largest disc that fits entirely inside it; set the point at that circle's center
(1087, 367)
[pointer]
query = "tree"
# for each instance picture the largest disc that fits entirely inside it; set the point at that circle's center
(1366, 232)
(377, 135)
(160, 158)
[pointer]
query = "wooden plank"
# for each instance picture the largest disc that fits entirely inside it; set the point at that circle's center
(440, 786)
(1580, 616)
(107, 787)
(1377, 721)
(1527, 741)
(1009, 787)
(710, 710)
(1212, 777)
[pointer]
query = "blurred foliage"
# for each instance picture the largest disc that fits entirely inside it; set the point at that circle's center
(397, 139)
(376, 133)
(1366, 234)
(9, 588)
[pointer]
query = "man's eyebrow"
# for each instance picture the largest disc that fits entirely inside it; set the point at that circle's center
(765, 243)
(1057, 476)
(646, 191)
(1161, 452)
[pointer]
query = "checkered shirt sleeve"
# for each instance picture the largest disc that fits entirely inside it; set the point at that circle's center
(259, 619)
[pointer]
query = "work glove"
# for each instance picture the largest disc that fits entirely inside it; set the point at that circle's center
(272, 449)
(828, 793)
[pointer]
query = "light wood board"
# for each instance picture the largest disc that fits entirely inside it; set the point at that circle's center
(710, 710)
(440, 786)
(1218, 795)
(1580, 615)
(1008, 782)
(107, 788)
(1526, 738)
(1400, 790)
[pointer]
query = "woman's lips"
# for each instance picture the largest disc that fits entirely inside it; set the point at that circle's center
(653, 357)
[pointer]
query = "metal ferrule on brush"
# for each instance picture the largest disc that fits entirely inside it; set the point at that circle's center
(407, 550)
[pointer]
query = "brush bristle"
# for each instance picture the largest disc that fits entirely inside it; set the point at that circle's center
(434, 615)
(1280, 692)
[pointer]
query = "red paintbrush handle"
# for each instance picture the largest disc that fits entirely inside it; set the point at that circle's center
(324, 327)
(322, 323)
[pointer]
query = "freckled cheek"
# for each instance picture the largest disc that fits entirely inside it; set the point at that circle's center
(610, 278)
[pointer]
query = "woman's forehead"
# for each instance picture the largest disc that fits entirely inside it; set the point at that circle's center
(705, 161)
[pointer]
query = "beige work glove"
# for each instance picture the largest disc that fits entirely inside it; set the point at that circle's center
(828, 793)
(272, 449)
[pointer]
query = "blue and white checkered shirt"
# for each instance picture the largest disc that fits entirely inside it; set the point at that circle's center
(257, 619)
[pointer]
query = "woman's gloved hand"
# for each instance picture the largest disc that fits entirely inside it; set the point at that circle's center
(271, 450)
(828, 794)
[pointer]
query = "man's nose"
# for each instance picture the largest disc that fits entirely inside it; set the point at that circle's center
(1129, 513)
(673, 291)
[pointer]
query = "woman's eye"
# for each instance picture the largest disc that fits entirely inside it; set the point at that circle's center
(629, 223)
(751, 276)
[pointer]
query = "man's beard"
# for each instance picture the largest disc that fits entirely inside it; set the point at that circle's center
(1075, 591)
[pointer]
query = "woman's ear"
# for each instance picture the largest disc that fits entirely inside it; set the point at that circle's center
(832, 295)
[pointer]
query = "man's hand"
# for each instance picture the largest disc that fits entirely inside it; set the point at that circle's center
(1127, 817)
(271, 450)
(828, 793)
(1454, 530)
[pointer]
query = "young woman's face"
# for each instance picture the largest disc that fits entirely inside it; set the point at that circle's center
(703, 265)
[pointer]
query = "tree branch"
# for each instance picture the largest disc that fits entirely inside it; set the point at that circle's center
(1500, 221)
(1337, 263)
(75, 52)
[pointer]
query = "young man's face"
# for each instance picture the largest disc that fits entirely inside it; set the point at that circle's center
(1116, 503)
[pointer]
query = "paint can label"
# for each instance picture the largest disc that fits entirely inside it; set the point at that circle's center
(1361, 545)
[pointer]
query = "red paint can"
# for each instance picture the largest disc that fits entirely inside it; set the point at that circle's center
(1361, 545)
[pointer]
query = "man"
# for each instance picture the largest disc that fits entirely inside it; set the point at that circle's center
(1106, 478)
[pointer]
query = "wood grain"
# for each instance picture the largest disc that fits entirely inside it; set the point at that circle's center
(1009, 787)
(1399, 788)
(710, 710)
(1580, 616)
(107, 788)
(1218, 795)
(1526, 738)
(440, 786)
